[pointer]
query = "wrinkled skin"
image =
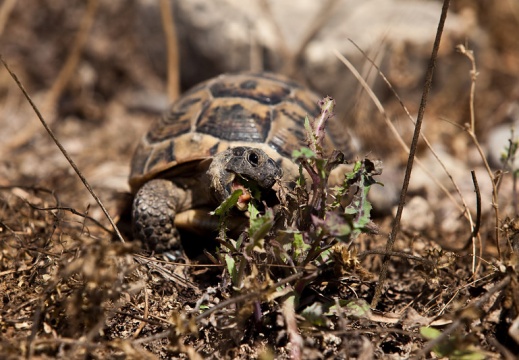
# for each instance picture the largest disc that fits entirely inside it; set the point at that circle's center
(160, 201)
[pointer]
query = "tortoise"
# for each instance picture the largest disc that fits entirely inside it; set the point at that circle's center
(221, 134)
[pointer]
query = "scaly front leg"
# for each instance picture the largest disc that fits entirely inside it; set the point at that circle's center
(153, 215)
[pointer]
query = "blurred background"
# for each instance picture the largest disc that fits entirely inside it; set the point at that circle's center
(98, 71)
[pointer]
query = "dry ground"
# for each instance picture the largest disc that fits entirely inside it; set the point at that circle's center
(69, 290)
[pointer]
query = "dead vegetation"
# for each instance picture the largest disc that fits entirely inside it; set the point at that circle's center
(300, 287)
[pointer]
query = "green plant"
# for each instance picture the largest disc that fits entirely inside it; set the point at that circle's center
(311, 220)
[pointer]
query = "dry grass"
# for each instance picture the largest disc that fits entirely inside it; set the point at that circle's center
(70, 291)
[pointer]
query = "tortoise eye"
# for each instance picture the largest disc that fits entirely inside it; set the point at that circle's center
(253, 159)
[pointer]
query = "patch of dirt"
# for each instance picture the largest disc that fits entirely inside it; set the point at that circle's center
(71, 290)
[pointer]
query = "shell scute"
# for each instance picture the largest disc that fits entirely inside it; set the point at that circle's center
(236, 121)
(179, 119)
(257, 89)
(258, 110)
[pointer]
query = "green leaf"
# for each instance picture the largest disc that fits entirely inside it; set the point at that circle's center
(429, 332)
(299, 246)
(360, 208)
(310, 132)
(452, 347)
(304, 153)
(259, 225)
(474, 354)
(323, 257)
(335, 224)
(228, 203)
(254, 212)
(231, 268)
(315, 315)
(356, 308)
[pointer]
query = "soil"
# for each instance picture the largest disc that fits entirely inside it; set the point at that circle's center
(71, 289)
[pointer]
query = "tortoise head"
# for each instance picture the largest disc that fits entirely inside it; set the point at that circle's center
(239, 168)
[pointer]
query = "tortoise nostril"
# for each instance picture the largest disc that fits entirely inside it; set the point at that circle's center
(253, 159)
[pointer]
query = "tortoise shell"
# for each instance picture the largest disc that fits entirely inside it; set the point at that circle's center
(263, 110)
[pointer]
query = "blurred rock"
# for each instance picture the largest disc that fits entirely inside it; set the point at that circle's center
(229, 35)
(417, 215)
(499, 138)
(384, 197)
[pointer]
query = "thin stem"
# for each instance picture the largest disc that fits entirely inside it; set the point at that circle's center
(63, 151)
(414, 144)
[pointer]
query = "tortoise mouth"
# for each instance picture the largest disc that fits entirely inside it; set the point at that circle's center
(245, 197)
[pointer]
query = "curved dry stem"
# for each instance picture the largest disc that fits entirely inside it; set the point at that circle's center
(250, 295)
(410, 161)
(168, 24)
(471, 132)
(475, 232)
(463, 317)
(63, 77)
(63, 151)
(464, 208)
(5, 10)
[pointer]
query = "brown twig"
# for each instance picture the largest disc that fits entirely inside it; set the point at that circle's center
(397, 253)
(295, 340)
(391, 126)
(57, 205)
(62, 149)
(64, 75)
(461, 319)
(401, 142)
(155, 265)
(472, 133)
(223, 304)
(475, 231)
(168, 24)
(5, 10)
(251, 295)
(71, 210)
(73, 57)
(414, 144)
(144, 321)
